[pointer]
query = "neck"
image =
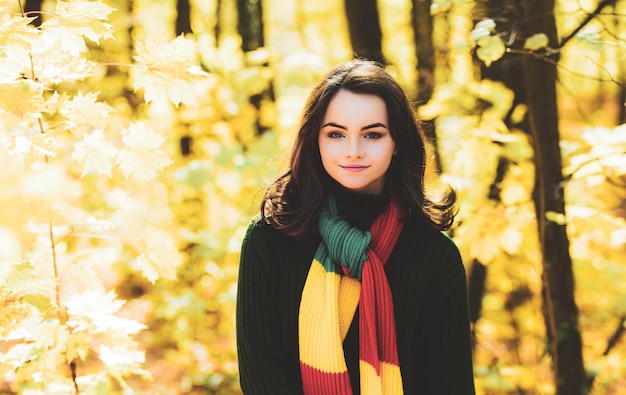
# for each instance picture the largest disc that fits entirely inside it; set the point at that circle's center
(359, 209)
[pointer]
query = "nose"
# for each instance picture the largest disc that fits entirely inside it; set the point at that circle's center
(355, 150)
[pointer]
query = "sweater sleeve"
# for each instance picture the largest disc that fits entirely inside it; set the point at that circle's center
(432, 314)
(260, 368)
(448, 367)
(452, 358)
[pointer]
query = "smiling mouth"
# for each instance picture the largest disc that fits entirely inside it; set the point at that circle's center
(354, 168)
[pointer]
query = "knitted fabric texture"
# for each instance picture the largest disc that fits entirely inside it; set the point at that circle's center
(346, 272)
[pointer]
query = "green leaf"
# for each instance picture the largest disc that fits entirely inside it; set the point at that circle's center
(555, 217)
(536, 42)
(491, 49)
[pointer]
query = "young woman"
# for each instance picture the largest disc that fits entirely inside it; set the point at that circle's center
(347, 284)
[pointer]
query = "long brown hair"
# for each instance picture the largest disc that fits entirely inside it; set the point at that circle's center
(293, 201)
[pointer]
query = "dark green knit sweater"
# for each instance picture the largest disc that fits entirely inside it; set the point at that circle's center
(427, 280)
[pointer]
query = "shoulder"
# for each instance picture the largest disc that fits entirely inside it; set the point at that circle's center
(260, 233)
(433, 248)
(263, 237)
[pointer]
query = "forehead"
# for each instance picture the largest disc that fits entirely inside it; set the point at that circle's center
(346, 105)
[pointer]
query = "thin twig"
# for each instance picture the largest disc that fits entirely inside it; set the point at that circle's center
(585, 22)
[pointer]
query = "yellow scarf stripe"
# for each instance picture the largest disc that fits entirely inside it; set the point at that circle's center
(349, 292)
(320, 311)
(388, 383)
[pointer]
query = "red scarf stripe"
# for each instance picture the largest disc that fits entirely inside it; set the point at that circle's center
(314, 381)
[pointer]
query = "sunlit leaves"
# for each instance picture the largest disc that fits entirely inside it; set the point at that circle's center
(95, 154)
(483, 29)
(61, 234)
(122, 361)
(158, 255)
(142, 157)
(489, 46)
(165, 70)
(20, 101)
(75, 20)
(85, 109)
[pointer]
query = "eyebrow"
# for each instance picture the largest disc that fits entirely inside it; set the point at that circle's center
(371, 126)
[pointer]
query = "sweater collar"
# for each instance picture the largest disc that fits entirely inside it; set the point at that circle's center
(359, 209)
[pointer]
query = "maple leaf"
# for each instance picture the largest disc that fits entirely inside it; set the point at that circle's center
(166, 70)
(94, 310)
(94, 301)
(95, 154)
(21, 100)
(73, 20)
(57, 68)
(17, 32)
(141, 158)
(122, 360)
(78, 345)
(158, 256)
(85, 109)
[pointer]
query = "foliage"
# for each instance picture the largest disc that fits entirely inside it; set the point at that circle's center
(498, 229)
(85, 193)
(119, 247)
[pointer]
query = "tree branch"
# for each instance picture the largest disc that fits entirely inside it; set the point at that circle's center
(589, 18)
(617, 335)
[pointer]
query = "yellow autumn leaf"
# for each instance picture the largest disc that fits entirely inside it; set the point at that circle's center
(158, 255)
(94, 301)
(166, 71)
(95, 154)
(56, 67)
(78, 344)
(74, 20)
(16, 31)
(85, 109)
(142, 157)
(21, 101)
(122, 360)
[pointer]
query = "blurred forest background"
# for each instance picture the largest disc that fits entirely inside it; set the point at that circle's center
(137, 135)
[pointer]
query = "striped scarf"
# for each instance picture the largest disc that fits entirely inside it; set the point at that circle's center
(331, 294)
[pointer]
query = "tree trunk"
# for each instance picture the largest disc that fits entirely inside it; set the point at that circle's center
(422, 23)
(364, 29)
(558, 279)
(251, 30)
(34, 5)
(183, 13)
(250, 24)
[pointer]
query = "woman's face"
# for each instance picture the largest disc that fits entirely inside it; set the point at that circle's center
(355, 141)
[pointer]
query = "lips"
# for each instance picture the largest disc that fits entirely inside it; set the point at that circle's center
(354, 168)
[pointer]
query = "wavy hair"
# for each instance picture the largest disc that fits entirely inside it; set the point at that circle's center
(293, 201)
